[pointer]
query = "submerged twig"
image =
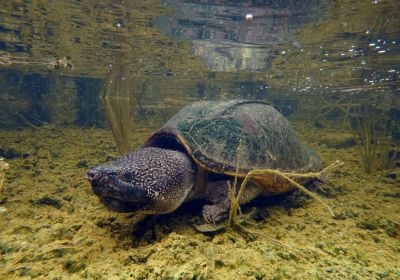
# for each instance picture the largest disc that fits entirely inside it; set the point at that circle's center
(271, 239)
(288, 175)
(26, 121)
(233, 197)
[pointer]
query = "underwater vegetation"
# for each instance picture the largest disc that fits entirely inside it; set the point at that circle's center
(372, 126)
(289, 176)
(117, 96)
(372, 134)
(370, 121)
(235, 194)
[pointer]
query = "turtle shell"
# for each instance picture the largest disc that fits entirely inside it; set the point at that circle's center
(210, 132)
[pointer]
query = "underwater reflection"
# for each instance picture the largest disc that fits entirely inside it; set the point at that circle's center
(234, 36)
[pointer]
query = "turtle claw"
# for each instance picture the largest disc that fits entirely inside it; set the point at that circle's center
(208, 228)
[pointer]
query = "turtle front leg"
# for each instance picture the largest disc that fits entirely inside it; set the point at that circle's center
(219, 209)
(218, 195)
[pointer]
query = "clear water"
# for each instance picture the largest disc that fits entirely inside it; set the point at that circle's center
(83, 81)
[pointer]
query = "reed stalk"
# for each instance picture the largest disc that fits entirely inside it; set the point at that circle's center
(117, 100)
(372, 136)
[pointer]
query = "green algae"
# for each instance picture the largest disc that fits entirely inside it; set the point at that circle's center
(68, 241)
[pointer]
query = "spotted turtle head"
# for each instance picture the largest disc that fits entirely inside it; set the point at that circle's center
(149, 181)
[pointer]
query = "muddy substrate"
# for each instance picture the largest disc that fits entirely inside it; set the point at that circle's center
(53, 227)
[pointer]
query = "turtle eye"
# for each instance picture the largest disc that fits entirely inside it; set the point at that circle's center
(127, 176)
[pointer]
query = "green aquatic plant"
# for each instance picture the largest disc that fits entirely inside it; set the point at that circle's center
(3, 166)
(372, 135)
(119, 118)
(118, 101)
(368, 119)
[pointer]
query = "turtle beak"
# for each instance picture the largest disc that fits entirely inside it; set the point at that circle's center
(105, 183)
(96, 176)
(93, 175)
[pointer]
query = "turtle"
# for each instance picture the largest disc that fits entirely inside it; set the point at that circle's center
(195, 153)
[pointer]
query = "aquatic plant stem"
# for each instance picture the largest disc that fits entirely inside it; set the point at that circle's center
(26, 121)
(120, 119)
(271, 239)
(232, 190)
(286, 175)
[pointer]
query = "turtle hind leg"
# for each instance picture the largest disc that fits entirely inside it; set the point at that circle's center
(218, 195)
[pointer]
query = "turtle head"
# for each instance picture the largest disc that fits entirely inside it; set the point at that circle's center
(149, 181)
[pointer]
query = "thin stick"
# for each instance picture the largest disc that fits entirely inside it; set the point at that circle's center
(26, 121)
(237, 163)
(232, 190)
(271, 239)
(277, 172)
(287, 176)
